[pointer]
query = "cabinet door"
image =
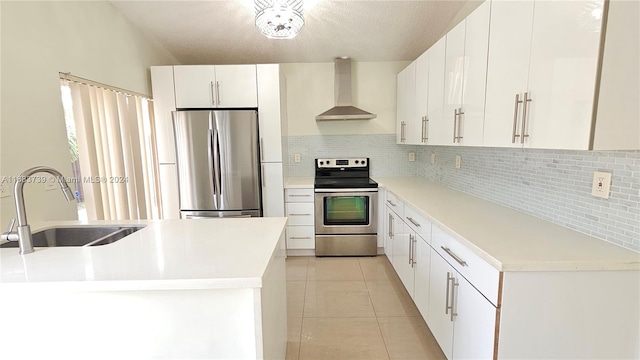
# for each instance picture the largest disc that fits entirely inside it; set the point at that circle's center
(163, 104)
(562, 73)
(508, 64)
(440, 290)
(390, 220)
(446, 132)
(195, 86)
(236, 86)
(476, 46)
(272, 190)
(422, 268)
(421, 102)
(269, 112)
(435, 93)
(407, 128)
(402, 244)
(474, 324)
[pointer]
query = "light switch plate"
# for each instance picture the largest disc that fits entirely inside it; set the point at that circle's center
(412, 156)
(601, 185)
(433, 158)
(458, 161)
(296, 158)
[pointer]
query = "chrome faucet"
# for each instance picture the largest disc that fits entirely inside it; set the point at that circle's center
(23, 234)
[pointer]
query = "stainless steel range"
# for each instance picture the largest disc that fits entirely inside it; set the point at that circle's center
(346, 208)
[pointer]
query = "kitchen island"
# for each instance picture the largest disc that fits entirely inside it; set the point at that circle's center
(192, 289)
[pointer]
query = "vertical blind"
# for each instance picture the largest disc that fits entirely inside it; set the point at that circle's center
(116, 153)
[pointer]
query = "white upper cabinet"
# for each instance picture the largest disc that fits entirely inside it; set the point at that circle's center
(542, 73)
(270, 97)
(435, 94)
(476, 46)
(509, 45)
(562, 73)
(406, 126)
(422, 97)
(215, 86)
(448, 132)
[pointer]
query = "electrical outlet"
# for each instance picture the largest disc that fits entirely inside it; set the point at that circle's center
(4, 192)
(412, 156)
(51, 184)
(601, 184)
(458, 161)
(433, 158)
(296, 158)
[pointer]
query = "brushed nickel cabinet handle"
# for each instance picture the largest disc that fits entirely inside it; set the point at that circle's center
(300, 238)
(460, 113)
(455, 124)
(296, 195)
(525, 107)
(410, 249)
(453, 297)
(390, 226)
(446, 302)
(218, 92)
(213, 94)
(413, 258)
(299, 214)
(413, 221)
(454, 256)
(391, 203)
(426, 129)
(515, 119)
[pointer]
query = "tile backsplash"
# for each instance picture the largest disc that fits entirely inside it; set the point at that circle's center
(387, 158)
(554, 185)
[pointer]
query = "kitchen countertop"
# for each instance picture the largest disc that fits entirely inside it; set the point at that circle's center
(299, 182)
(166, 254)
(508, 239)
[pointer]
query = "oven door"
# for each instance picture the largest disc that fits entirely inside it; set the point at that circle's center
(346, 211)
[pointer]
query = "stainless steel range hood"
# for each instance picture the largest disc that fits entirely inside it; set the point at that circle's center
(344, 110)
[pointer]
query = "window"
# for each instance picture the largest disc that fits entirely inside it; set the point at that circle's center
(113, 153)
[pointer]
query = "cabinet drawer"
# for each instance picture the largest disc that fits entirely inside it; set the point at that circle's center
(299, 195)
(395, 204)
(301, 237)
(418, 223)
(300, 214)
(478, 272)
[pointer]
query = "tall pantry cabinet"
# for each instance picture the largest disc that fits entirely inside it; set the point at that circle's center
(221, 86)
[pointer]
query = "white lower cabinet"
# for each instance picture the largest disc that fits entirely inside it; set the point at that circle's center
(403, 239)
(272, 190)
(439, 316)
(422, 269)
(301, 232)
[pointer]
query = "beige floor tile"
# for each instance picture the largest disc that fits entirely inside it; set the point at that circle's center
(389, 298)
(297, 268)
(409, 338)
(377, 268)
(295, 298)
(341, 339)
(334, 269)
(337, 299)
(294, 329)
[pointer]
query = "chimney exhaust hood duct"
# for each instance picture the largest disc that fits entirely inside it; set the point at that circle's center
(342, 88)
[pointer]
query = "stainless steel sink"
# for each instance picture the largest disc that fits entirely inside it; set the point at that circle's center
(78, 236)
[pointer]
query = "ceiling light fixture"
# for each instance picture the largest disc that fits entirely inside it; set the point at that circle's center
(279, 19)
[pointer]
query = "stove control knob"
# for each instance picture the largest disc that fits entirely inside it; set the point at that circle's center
(363, 162)
(321, 163)
(357, 161)
(328, 162)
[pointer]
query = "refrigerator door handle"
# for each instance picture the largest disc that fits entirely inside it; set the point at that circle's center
(210, 152)
(216, 156)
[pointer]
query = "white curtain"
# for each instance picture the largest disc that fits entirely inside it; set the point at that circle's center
(117, 153)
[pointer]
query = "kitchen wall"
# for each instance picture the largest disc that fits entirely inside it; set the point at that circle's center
(310, 91)
(39, 39)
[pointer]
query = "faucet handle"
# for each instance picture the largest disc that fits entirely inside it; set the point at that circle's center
(11, 224)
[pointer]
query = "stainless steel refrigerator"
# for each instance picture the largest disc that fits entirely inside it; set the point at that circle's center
(218, 163)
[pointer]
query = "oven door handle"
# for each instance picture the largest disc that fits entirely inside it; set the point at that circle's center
(346, 190)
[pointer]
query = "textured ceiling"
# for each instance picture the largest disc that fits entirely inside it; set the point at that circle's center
(223, 32)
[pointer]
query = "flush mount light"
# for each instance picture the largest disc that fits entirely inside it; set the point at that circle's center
(279, 19)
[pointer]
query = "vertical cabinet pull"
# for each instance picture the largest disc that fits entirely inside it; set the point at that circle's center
(455, 124)
(413, 257)
(411, 250)
(515, 119)
(525, 107)
(455, 283)
(218, 92)
(390, 226)
(446, 302)
(213, 94)
(426, 129)
(264, 178)
(402, 131)
(460, 113)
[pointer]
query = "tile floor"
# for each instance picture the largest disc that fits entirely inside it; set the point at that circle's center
(352, 308)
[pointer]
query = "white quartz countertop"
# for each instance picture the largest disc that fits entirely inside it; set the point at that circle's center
(299, 183)
(508, 239)
(166, 254)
